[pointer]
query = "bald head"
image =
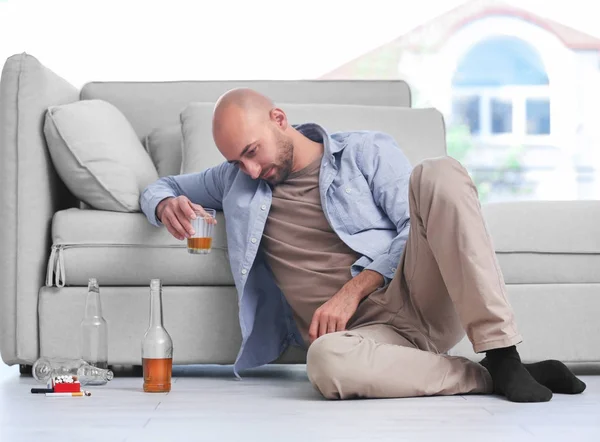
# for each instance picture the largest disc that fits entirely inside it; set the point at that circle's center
(240, 103)
(253, 134)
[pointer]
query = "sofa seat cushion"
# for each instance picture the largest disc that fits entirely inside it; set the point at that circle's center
(124, 249)
(544, 242)
(536, 242)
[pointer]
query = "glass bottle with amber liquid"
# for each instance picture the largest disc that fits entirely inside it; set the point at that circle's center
(157, 346)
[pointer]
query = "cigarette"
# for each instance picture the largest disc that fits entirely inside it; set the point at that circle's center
(79, 393)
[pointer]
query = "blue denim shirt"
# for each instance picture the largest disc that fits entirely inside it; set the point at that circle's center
(364, 194)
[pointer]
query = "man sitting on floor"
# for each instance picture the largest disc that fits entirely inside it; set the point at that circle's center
(384, 267)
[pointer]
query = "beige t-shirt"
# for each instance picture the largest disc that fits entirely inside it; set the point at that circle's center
(310, 263)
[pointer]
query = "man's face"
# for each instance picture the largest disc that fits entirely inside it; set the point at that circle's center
(257, 146)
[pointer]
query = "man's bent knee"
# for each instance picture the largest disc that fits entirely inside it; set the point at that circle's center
(327, 362)
(438, 168)
(442, 173)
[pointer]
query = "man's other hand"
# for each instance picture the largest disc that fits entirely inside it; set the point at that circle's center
(335, 313)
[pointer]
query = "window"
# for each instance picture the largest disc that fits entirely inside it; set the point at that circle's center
(465, 110)
(501, 116)
(500, 89)
(538, 116)
(500, 61)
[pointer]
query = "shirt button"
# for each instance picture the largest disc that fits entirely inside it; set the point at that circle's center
(263, 207)
(393, 269)
(253, 240)
(348, 190)
(244, 271)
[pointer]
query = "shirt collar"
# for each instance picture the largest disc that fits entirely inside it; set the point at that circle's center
(319, 134)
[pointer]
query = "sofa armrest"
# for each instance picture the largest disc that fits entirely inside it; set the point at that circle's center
(30, 193)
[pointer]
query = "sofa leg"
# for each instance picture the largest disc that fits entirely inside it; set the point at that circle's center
(25, 369)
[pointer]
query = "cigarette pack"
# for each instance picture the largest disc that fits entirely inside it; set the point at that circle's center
(66, 384)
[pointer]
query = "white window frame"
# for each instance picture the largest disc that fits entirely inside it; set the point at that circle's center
(517, 96)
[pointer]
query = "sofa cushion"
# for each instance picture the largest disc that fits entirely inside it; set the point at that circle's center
(420, 133)
(98, 155)
(202, 321)
(164, 145)
(542, 242)
(545, 226)
(125, 249)
(199, 151)
(557, 321)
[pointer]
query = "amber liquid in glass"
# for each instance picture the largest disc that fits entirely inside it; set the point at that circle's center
(199, 244)
(157, 375)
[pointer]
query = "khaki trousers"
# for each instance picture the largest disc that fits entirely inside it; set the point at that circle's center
(448, 282)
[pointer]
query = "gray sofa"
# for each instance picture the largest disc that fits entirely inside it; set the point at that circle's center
(50, 243)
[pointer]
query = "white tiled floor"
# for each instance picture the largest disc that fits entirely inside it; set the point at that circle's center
(277, 403)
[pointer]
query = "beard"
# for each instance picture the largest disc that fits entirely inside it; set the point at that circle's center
(285, 159)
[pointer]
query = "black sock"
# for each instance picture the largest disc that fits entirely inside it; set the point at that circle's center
(511, 378)
(556, 376)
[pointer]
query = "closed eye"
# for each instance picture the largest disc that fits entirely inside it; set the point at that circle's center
(248, 152)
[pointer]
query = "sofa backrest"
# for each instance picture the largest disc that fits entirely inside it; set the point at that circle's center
(150, 105)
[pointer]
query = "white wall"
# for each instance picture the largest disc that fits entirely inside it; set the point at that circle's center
(86, 40)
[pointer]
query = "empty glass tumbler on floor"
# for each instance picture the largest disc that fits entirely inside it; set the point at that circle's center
(201, 241)
(157, 346)
(45, 369)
